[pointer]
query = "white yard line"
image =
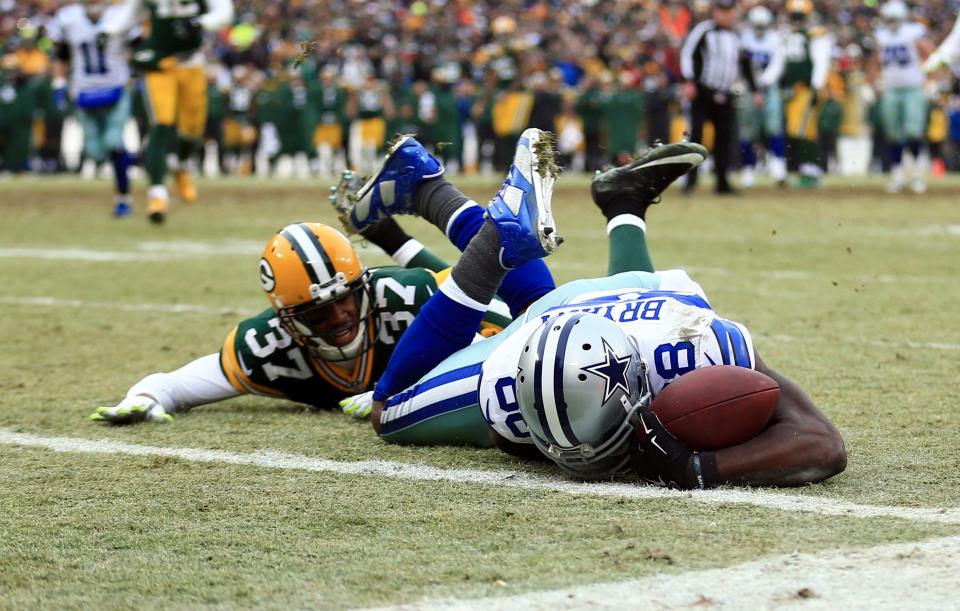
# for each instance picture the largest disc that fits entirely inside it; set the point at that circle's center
(171, 308)
(84, 254)
(180, 250)
(508, 479)
(147, 251)
(900, 576)
(177, 308)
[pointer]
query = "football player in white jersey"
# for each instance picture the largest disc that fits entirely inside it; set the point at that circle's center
(901, 48)
(99, 72)
(572, 377)
(761, 120)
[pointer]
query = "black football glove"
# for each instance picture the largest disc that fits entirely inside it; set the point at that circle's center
(659, 458)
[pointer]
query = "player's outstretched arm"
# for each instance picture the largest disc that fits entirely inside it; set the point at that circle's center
(159, 395)
(799, 446)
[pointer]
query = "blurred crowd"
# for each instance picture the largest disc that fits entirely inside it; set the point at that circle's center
(329, 81)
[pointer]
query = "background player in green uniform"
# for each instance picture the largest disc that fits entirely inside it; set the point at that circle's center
(804, 79)
(328, 100)
(175, 85)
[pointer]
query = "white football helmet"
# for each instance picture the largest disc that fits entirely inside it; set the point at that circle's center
(895, 12)
(760, 17)
(579, 385)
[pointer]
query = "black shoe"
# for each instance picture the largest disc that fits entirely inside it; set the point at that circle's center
(641, 181)
(727, 190)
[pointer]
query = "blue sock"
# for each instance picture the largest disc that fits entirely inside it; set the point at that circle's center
(747, 155)
(914, 146)
(778, 146)
(521, 286)
(896, 154)
(121, 161)
(442, 327)
(525, 284)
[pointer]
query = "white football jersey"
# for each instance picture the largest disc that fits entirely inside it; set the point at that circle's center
(676, 332)
(899, 58)
(92, 68)
(766, 55)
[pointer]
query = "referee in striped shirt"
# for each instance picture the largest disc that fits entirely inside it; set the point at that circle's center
(712, 60)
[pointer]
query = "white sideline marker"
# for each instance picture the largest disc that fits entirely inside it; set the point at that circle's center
(507, 479)
(900, 576)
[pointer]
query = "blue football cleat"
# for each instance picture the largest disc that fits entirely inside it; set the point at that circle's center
(390, 190)
(122, 209)
(521, 209)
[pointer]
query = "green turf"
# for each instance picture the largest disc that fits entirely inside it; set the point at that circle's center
(847, 290)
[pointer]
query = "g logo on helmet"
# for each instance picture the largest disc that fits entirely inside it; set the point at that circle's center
(267, 279)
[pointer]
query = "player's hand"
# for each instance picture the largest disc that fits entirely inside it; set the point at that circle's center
(138, 408)
(358, 406)
(659, 458)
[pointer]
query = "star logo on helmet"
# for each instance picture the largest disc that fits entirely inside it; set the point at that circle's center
(613, 370)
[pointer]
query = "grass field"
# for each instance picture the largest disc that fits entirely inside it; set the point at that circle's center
(850, 292)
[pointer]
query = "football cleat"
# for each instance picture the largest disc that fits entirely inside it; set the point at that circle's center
(156, 210)
(390, 190)
(521, 209)
(122, 209)
(641, 181)
(186, 190)
(343, 194)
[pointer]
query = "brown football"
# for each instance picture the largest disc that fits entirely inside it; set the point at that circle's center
(717, 407)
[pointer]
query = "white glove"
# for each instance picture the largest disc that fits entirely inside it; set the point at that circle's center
(138, 408)
(358, 406)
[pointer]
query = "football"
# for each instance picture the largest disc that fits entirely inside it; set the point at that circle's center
(717, 407)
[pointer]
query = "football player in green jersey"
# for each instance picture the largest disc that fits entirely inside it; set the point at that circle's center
(808, 58)
(330, 330)
(174, 84)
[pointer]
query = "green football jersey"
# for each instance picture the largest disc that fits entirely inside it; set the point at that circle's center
(260, 357)
(328, 102)
(798, 67)
(170, 31)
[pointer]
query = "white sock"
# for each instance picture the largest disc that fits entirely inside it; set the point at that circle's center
(626, 219)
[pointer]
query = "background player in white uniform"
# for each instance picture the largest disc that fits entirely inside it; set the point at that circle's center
(99, 73)
(901, 47)
(664, 318)
(761, 120)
